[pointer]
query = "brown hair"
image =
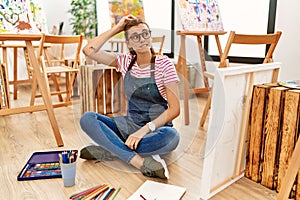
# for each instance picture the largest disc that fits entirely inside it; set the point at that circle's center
(131, 23)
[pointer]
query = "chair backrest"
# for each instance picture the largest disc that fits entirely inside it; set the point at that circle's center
(57, 51)
(160, 40)
(247, 39)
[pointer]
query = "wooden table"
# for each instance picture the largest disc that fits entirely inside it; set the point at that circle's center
(182, 63)
(15, 45)
(117, 41)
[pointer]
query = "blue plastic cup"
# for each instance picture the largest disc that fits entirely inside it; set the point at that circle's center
(68, 172)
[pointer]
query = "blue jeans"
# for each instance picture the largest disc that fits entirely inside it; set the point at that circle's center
(103, 130)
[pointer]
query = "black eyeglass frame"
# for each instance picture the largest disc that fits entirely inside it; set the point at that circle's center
(148, 32)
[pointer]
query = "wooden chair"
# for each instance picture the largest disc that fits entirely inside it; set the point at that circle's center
(245, 39)
(55, 68)
(160, 41)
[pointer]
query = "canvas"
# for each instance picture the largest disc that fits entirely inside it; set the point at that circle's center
(120, 8)
(22, 16)
(224, 159)
(200, 15)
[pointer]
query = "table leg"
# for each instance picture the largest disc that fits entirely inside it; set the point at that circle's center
(111, 47)
(122, 47)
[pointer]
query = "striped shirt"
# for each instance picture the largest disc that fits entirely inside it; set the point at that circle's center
(165, 72)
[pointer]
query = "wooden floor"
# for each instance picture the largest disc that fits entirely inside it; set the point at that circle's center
(23, 134)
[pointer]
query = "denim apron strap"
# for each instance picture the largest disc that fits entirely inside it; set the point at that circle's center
(145, 102)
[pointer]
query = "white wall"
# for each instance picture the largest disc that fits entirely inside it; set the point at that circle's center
(56, 12)
(286, 21)
(287, 51)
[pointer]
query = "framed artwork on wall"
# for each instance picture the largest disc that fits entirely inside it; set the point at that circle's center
(120, 8)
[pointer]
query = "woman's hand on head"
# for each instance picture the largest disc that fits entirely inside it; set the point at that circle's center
(124, 20)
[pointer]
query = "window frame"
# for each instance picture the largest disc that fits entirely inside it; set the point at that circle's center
(250, 60)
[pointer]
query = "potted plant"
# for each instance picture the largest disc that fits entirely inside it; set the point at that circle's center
(84, 17)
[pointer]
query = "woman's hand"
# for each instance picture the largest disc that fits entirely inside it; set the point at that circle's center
(124, 20)
(134, 139)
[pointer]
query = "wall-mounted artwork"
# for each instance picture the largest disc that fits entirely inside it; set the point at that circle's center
(120, 8)
(200, 15)
(22, 16)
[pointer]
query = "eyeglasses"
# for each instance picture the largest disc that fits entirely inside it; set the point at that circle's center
(136, 37)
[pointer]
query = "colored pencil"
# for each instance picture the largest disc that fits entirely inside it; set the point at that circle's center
(103, 195)
(96, 192)
(115, 193)
(110, 193)
(84, 192)
(106, 194)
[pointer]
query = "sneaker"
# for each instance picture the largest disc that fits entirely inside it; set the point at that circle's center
(94, 152)
(162, 161)
(153, 168)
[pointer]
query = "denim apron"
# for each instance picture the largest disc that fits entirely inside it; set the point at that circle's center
(145, 102)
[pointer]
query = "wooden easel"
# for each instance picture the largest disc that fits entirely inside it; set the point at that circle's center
(182, 63)
(40, 78)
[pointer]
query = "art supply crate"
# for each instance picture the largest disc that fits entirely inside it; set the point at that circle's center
(101, 89)
(272, 134)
